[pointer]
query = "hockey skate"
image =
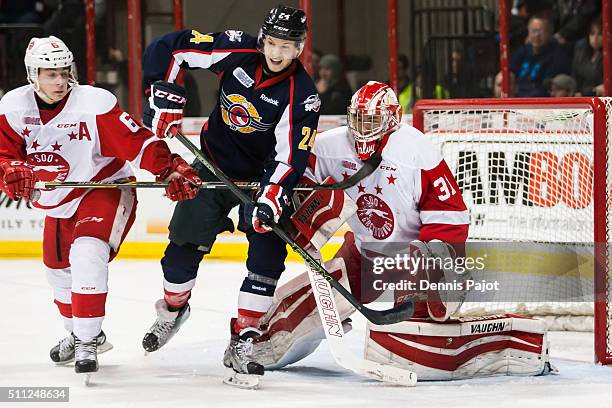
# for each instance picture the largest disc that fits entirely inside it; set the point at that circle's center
(63, 352)
(86, 357)
(166, 325)
(243, 371)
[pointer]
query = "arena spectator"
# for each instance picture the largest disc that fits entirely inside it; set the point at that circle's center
(404, 84)
(459, 82)
(572, 19)
(587, 65)
(539, 59)
(562, 85)
(497, 86)
(333, 88)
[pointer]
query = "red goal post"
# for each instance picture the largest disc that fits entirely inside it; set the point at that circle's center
(567, 142)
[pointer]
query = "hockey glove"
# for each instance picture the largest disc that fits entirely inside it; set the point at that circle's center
(183, 180)
(18, 179)
(269, 205)
(163, 111)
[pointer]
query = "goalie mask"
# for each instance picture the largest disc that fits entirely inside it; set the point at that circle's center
(49, 52)
(374, 112)
(283, 23)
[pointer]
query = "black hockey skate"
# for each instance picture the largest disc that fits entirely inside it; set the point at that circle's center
(85, 355)
(63, 352)
(166, 325)
(245, 371)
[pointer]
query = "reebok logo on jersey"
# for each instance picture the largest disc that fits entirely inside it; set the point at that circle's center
(243, 77)
(260, 288)
(263, 97)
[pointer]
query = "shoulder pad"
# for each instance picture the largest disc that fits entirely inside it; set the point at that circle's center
(409, 147)
(332, 143)
(17, 99)
(93, 100)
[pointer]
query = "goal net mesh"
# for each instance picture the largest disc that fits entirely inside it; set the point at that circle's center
(526, 172)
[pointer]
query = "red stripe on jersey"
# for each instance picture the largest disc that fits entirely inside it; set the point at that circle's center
(88, 305)
(170, 68)
(291, 95)
(444, 232)
(12, 144)
(65, 309)
(275, 79)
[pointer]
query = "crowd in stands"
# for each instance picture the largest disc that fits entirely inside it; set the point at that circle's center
(555, 50)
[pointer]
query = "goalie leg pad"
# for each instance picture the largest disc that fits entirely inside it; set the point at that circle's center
(462, 348)
(292, 327)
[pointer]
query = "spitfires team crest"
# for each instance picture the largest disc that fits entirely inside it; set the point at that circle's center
(375, 215)
(241, 115)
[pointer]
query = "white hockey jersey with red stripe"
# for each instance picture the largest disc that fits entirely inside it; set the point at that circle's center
(411, 195)
(91, 138)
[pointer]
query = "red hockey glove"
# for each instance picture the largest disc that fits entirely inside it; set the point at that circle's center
(18, 179)
(163, 111)
(184, 181)
(268, 207)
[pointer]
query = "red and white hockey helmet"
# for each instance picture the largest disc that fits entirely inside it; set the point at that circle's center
(48, 52)
(373, 113)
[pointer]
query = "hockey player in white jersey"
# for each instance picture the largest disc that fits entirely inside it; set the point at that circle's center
(409, 197)
(56, 130)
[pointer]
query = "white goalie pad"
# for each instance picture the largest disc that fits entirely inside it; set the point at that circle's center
(292, 326)
(320, 215)
(462, 348)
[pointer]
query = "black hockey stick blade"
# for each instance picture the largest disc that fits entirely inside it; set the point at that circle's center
(378, 317)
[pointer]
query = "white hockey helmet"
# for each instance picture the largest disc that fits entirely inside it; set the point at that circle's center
(48, 52)
(373, 113)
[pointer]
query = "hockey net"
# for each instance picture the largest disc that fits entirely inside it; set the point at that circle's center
(535, 173)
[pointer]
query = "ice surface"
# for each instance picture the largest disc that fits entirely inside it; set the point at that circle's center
(188, 372)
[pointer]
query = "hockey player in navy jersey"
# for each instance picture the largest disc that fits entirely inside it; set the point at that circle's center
(261, 129)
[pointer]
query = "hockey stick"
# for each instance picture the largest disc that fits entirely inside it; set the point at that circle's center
(379, 317)
(331, 322)
(243, 185)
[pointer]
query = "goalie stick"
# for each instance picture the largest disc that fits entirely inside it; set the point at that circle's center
(334, 333)
(399, 313)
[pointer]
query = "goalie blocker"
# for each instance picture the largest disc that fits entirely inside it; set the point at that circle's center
(434, 350)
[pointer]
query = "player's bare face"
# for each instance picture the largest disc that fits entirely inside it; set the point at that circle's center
(53, 82)
(279, 53)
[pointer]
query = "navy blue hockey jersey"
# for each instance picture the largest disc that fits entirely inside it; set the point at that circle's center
(262, 128)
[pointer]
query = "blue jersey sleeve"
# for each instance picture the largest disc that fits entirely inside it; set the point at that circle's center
(295, 134)
(167, 54)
